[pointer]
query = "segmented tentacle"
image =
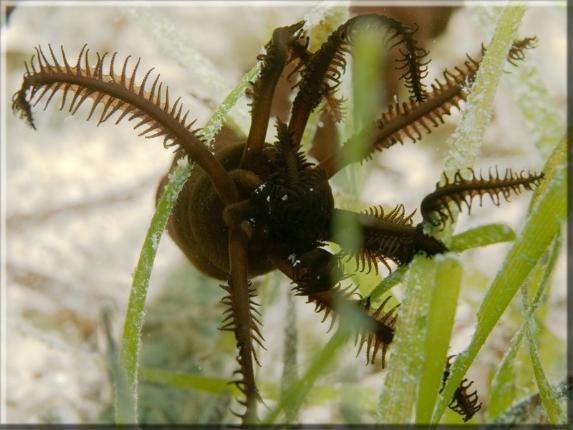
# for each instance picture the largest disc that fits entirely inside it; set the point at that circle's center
(409, 119)
(105, 87)
(414, 65)
(320, 77)
(435, 206)
(463, 403)
(117, 92)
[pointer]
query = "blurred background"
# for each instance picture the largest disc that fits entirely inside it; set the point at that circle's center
(79, 200)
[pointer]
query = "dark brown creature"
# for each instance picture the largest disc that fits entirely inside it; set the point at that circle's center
(463, 403)
(255, 207)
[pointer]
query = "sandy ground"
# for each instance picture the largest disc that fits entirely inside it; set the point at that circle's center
(79, 200)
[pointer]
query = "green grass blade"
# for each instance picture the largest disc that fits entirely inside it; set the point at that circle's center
(549, 396)
(296, 393)
(544, 121)
(131, 340)
(538, 285)
(439, 331)
(317, 395)
(543, 225)
(503, 386)
(414, 375)
(388, 283)
(220, 115)
(482, 236)
(396, 400)
(465, 143)
(404, 369)
(530, 406)
(188, 381)
(134, 316)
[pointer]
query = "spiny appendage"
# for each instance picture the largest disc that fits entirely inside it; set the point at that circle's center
(380, 334)
(328, 300)
(317, 275)
(383, 238)
(115, 92)
(464, 403)
(409, 119)
(516, 52)
(321, 71)
(444, 95)
(435, 206)
(395, 34)
(382, 247)
(247, 333)
(374, 327)
(283, 48)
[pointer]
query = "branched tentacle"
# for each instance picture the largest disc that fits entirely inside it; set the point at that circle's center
(118, 93)
(435, 206)
(322, 73)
